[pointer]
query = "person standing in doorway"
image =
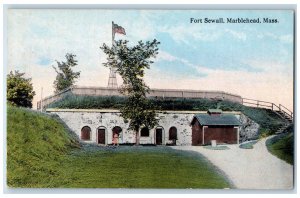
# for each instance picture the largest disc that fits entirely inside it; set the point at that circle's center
(116, 139)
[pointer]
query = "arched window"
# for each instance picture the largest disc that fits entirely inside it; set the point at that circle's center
(173, 134)
(86, 133)
(145, 132)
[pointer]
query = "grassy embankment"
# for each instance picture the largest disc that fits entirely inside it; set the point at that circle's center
(42, 153)
(269, 121)
(282, 146)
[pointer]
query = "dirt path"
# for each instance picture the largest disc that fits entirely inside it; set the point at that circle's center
(249, 168)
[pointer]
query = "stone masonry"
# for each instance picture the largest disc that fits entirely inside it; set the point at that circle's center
(108, 119)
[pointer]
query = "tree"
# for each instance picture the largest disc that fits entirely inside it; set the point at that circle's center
(19, 90)
(65, 75)
(130, 63)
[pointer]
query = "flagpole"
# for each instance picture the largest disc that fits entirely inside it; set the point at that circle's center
(112, 33)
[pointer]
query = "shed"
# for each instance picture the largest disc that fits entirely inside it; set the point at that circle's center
(224, 128)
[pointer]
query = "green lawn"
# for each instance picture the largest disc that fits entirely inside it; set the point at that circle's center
(282, 146)
(41, 153)
(140, 167)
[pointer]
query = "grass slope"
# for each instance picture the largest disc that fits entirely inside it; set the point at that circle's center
(35, 145)
(41, 153)
(267, 119)
(282, 146)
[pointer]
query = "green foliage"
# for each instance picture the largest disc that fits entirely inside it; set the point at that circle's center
(71, 101)
(282, 146)
(130, 63)
(36, 144)
(19, 90)
(65, 75)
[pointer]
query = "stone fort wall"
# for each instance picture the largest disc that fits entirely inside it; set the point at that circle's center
(107, 119)
(160, 93)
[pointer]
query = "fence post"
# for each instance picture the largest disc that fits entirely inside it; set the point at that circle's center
(272, 107)
(279, 107)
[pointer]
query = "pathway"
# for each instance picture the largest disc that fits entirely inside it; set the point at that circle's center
(249, 168)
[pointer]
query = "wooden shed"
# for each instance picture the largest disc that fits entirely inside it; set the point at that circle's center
(224, 128)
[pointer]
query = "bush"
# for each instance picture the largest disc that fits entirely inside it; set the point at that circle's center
(282, 146)
(19, 90)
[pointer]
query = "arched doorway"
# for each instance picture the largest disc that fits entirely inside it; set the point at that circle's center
(159, 134)
(173, 135)
(116, 130)
(101, 134)
(86, 133)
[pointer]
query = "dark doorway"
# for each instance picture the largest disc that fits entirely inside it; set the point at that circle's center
(101, 136)
(86, 133)
(158, 135)
(116, 130)
(173, 135)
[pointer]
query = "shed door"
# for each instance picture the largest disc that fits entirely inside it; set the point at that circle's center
(101, 136)
(196, 134)
(158, 136)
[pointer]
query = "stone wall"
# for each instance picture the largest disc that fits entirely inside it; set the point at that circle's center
(249, 129)
(108, 119)
(76, 120)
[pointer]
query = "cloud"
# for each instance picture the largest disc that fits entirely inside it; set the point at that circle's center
(162, 55)
(285, 39)
(237, 34)
(272, 67)
(184, 34)
(201, 70)
(261, 86)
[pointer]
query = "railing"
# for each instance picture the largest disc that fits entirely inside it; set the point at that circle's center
(258, 103)
(49, 99)
(285, 111)
(269, 105)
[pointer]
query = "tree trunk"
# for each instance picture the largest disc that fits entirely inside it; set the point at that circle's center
(137, 138)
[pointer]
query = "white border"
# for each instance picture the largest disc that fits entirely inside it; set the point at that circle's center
(214, 4)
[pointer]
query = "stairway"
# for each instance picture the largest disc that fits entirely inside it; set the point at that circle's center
(288, 121)
(285, 116)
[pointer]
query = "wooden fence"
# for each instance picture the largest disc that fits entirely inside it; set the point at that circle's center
(269, 105)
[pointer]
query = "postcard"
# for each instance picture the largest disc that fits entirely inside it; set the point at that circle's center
(150, 99)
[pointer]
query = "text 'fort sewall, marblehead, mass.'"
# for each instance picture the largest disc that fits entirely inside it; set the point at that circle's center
(233, 20)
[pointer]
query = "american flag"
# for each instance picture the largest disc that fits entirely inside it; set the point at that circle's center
(118, 29)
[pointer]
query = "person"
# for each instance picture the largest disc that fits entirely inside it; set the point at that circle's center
(116, 139)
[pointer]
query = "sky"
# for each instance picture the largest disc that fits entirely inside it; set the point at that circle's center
(254, 60)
